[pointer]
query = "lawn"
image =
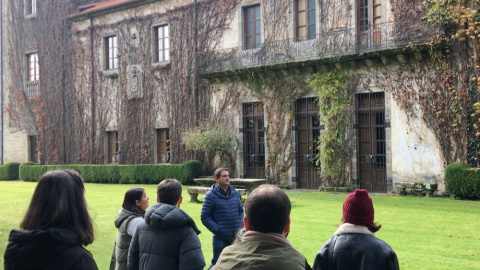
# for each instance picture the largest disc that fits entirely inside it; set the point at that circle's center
(426, 233)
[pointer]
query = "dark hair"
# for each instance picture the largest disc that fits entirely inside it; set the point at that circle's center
(267, 209)
(59, 201)
(218, 172)
(169, 191)
(130, 200)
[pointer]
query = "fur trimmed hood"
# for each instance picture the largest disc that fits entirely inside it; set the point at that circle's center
(352, 228)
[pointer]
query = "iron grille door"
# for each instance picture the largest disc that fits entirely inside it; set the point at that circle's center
(253, 140)
(371, 141)
(307, 132)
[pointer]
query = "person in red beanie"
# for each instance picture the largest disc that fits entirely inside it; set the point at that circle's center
(354, 245)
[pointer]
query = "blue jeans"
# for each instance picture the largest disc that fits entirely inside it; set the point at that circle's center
(218, 246)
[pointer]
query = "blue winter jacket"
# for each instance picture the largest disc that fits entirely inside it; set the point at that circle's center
(222, 213)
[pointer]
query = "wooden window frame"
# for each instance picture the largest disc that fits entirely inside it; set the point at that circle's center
(163, 146)
(307, 10)
(246, 34)
(367, 17)
(31, 7)
(113, 155)
(162, 54)
(33, 69)
(111, 52)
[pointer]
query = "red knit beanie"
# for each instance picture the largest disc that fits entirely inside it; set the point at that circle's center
(358, 208)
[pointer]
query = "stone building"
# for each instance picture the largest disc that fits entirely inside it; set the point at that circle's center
(142, 72)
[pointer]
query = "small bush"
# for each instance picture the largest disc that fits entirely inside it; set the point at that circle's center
(9, 171)
(462, 182)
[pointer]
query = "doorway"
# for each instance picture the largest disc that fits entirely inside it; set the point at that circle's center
(371, 141)
(253, 140)
(307, 131)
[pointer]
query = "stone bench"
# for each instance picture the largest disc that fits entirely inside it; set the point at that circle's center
(416, 188)
(194, 191)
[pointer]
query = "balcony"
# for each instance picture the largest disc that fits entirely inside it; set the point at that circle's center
(326, 45)
(31, 88)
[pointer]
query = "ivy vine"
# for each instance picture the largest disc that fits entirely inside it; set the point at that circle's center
(334, 103)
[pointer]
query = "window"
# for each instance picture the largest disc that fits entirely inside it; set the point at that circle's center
(305, 19)
(252, 27)
(33, 153)
(163, 145)
(369, 23)
(370, 13)
(111, 53)
(33, 71)
(162, 44)
(113, 147)
(31, 7)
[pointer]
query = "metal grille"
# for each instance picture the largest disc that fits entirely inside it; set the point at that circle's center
(307, 132)
(253, 140)
(371, 141)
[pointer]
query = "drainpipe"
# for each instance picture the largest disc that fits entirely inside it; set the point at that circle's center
(1, 82)
(92, 93)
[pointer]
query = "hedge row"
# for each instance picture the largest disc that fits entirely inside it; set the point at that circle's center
(462, 181)
(123, 174)
(9, 171)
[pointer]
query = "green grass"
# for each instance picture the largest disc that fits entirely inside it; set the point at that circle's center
(426, 233)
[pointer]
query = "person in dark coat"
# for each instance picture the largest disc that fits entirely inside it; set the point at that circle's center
(135, 203)
(55, 228)
(168, 239)
(354, 245)
(222, 212)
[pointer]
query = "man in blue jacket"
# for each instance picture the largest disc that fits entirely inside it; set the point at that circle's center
(222, 212)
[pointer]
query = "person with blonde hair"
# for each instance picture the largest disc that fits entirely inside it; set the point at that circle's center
(55, 228)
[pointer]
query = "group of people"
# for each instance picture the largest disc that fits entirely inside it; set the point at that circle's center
(57, 226)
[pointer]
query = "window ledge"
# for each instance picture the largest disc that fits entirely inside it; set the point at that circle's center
(161, 65)
(109, 73)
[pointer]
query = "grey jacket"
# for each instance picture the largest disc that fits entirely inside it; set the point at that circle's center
(168, 240)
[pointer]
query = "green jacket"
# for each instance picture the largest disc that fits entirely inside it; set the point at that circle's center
(261, 254)
(122, 240)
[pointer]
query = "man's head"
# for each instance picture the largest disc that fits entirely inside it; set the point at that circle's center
(267, 210)
(222, 178)
(169, 191)
(358, 208)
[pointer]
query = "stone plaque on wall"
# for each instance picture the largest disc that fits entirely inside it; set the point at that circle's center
(134, 82)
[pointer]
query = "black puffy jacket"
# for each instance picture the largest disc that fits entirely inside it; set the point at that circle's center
(355, 248)
(222, 212)
(51, 249)
(167, 240)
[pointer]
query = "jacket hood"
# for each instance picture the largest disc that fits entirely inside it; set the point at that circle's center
(38, 246)
(165, 216)
(123, 215)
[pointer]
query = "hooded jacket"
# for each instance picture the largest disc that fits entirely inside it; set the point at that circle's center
(222, 212)
(355, 247)
(122, 240)
(168, 240)
(51, 249)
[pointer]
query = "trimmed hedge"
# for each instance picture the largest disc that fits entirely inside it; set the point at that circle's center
(462, 181)
(123, 174)
(9, 171)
